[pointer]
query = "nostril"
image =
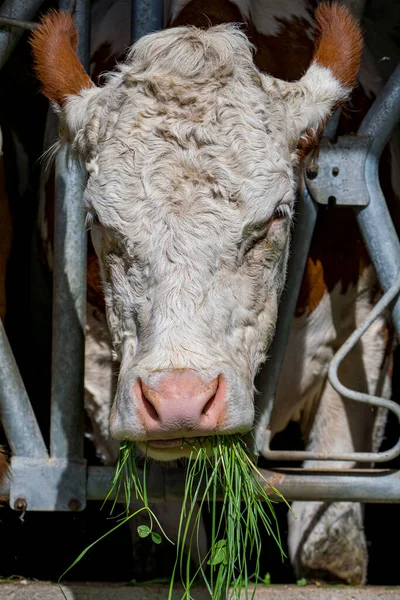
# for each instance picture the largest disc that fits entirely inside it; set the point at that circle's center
(209, 404)
(151, 411)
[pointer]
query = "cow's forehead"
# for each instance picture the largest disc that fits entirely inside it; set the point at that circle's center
(156, 179)
(239, 160)
(185, 144)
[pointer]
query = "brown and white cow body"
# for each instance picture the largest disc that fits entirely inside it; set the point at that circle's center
(191, 224)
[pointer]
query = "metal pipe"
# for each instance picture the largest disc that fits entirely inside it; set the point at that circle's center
(369, 457)
(8, 22)
(147, 16)
(374, 220)
(368, 485)
(69, 301)
(383, 114)
(325, 485)
(384, 248)
(357, 7)
(16, 414)
(384, 302)
(352, 486)
(69, 290)
(267, 380)
(81, 14)
(20, 10)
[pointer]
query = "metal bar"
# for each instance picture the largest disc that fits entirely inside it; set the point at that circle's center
(147, 16)
(378, 457)
(385, 301)
(267, 380)
(338, 177)
(21, 10)
(332, 125)
(384, 248)
(69, 290)
(69, 294)
(352, 485)
(357, 7)
(8, 22)
(81, 14)
(374, 220)
(365, 485)
(16, 414)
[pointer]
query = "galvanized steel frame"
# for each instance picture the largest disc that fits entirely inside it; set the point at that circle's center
(384, 249)
(60, 479)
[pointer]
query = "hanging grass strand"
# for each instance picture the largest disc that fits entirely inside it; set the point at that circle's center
(219, 467)
(222, 466)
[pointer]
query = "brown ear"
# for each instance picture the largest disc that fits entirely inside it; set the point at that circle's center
(339, 42)
(328, 81)
(338, 47)
(57, 66)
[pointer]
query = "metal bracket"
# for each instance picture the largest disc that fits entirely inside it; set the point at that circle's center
(338, 175)
(47, 484)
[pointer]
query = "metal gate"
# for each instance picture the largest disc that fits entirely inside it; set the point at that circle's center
(58, 478)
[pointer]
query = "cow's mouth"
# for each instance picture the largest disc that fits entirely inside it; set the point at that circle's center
(173, 442)
(172, 448)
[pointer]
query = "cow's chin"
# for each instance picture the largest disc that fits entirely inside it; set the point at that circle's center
(172, 449)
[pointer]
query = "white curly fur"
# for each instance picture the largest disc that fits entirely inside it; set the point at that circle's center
(190, 154)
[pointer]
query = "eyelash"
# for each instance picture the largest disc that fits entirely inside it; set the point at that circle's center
(282, 211)
(91, 219)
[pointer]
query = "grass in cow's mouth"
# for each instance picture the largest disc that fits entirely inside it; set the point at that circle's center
(219, 468)
(222, 467)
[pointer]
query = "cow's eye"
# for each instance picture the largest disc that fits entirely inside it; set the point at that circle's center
(283, 211)
(91, 219)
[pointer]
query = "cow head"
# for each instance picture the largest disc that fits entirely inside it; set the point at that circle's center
(190, 153)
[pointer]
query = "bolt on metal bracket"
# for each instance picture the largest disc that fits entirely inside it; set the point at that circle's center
(338, 175)
(47, 484)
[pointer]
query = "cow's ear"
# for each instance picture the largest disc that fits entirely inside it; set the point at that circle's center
(63, 78)
(54, 43)
(331, 76)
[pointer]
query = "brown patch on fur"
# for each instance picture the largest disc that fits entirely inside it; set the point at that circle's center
(337, 255)
(313, 287)
(287, 54)
(57, 66)
(339, 42)
(102, 61)
(207, 13)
